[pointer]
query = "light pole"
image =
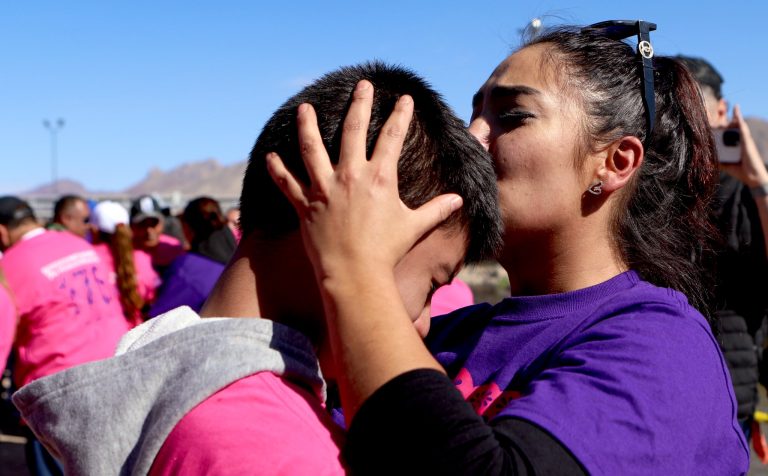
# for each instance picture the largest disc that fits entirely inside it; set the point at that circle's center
(53, 130)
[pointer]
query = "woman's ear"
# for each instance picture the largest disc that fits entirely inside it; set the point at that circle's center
(622, 158)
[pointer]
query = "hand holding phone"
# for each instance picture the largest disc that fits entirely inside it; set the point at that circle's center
(738, 152)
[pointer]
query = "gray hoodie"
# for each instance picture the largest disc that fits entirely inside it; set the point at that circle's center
(111, 417)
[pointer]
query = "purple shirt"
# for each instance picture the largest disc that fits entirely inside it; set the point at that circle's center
(624, 374)
(188, 282)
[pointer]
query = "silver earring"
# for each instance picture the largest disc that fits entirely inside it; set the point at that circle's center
(596, 188)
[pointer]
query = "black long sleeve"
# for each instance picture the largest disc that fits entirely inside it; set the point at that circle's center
(418, 423)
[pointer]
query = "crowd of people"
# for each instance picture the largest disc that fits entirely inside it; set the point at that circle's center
(303, 336)
(73, 287)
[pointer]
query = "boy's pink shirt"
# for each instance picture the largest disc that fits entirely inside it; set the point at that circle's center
(7, 324)
(69, 313)
(261, 424)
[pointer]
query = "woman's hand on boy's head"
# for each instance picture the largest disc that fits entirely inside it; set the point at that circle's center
(351, 216)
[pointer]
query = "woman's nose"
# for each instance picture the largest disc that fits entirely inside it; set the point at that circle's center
(481, 130)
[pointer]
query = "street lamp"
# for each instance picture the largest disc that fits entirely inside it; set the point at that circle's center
(53, 130)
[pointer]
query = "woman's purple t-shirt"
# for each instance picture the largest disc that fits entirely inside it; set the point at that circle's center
(626, 375)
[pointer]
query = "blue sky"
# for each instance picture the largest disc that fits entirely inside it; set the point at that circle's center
(155, 84)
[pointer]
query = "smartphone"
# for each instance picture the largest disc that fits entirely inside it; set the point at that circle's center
(728, 143)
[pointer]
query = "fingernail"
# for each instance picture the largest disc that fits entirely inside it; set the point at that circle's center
(303, 108)
(362, 86)
(405, 100)
(456, 203)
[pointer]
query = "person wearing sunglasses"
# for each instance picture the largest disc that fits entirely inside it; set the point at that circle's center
(71, 213)
(602, 361)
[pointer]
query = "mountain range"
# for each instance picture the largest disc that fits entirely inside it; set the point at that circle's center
(209, 177)
(205, 177)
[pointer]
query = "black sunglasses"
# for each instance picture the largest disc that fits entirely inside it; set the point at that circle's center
(622, 29)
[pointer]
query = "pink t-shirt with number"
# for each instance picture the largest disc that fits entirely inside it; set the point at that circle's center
(261, 424)
(69, 314)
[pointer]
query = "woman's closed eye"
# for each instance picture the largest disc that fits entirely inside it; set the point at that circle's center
(514, 117)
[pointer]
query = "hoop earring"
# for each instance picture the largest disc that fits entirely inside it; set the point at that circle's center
(596, 188)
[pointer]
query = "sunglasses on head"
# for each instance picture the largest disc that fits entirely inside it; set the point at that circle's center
(622, 29)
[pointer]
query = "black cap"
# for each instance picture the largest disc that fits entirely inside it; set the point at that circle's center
(145, 207)
(13, 210)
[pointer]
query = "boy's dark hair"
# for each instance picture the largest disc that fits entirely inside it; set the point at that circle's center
(438, 156)
(664, 228)
(704, 73)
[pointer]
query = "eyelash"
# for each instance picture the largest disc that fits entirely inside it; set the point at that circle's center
(515, 117)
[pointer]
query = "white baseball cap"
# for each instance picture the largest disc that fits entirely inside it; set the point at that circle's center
(107, 215)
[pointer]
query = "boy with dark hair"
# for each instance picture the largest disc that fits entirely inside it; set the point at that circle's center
(247, 396)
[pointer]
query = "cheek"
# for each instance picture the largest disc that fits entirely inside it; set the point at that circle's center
(514, 158)
(538, 188)
(413, 290)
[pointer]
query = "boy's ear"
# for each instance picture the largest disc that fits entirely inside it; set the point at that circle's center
(621, 159)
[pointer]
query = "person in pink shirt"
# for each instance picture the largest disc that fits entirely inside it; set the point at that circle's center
(147, 225)
(131, 270)
(68, 312)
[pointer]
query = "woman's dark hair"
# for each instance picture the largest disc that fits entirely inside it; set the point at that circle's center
(203, 216)
(663, 227)
(210, 235)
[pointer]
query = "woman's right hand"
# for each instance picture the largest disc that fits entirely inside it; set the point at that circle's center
(351, 215)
